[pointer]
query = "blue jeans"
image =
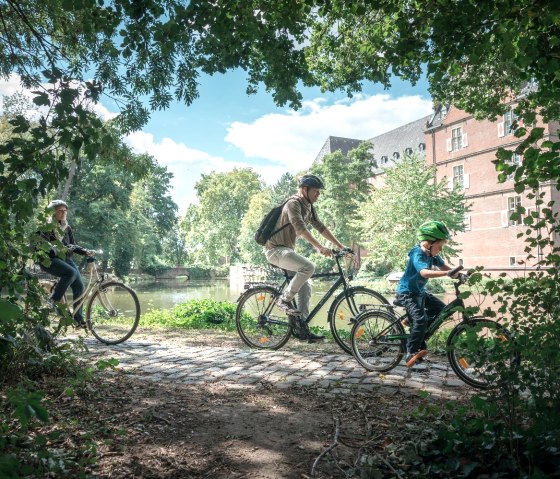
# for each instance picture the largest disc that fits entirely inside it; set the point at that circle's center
(69, 275)
(422, 310)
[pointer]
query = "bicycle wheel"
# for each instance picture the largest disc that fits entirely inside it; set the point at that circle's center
(346, 307)
(378, 340)
(475, 349)
(113, 313)
(259, 322)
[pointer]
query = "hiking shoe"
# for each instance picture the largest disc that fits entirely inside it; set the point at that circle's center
(412, 358)
(287, 307)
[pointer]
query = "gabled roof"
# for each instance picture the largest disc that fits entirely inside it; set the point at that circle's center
(337, 143)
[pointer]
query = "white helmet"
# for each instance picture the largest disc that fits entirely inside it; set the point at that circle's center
(57, 203)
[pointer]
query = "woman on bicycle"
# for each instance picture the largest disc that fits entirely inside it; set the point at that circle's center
(422, 307)
(61, 264)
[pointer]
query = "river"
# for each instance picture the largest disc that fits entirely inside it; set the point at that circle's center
(166, 294)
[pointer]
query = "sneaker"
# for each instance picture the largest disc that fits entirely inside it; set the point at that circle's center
(412, 358)
(287, 307)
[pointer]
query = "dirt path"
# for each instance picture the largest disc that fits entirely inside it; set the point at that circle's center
(202, 405)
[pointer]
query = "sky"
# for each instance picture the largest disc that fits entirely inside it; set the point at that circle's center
(225, 128)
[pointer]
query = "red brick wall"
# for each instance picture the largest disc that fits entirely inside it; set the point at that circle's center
(490, 241)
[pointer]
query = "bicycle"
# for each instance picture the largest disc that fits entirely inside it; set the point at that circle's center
(261, 324)
(378, 340)
(112, 311)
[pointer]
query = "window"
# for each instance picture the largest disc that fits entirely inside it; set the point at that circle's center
(458, 176)
(515, 160)
(384, 160)
(408, 151)
(467, 222)
(512, 261)
(509, 119)
(513, 203)
(422, 147)
(461, 261)
(456, 139)
(396, 155)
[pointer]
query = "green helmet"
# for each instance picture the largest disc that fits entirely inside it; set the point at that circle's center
(433, 231)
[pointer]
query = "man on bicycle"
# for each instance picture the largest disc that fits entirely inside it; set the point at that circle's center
(297, 213)
(422, 307)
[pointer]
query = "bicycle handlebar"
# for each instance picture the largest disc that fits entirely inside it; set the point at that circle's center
(454, 271)
(343, 252)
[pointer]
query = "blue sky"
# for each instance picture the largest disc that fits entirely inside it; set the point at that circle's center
(225, 128)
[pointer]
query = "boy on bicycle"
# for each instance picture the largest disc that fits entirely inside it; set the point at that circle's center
(422, 307)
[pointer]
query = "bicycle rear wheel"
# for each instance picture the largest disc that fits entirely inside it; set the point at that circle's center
(378, 340)
(259, 322)
(113, 313)
(346, 307)
(476, 348)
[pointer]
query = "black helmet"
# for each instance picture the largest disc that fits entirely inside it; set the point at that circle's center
(311, 181)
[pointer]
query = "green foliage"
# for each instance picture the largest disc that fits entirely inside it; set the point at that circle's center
(212, 228)
(259, 205)
(388, 219)
(194, 314)
(346, 180)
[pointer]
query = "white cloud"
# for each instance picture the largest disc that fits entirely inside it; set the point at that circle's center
(186, 164)
(293, 139)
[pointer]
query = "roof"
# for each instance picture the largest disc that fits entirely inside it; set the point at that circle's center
(393, 145)
(337, 143)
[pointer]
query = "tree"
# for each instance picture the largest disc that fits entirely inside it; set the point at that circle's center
(259, 205)
(346, 179)
(212, 228)
(389, 217)
(285, 187)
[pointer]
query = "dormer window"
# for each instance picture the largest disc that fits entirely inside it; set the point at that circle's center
(408, 151)
(384, 160)
(396, 155)
(422, 147)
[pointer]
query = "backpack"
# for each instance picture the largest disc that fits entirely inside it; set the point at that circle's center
(266, 229)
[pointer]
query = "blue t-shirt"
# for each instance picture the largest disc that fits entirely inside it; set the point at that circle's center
(411, 281)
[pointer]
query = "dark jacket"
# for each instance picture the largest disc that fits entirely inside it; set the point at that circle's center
(68, 241)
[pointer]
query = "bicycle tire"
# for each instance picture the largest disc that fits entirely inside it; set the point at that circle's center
(346, 307)
(113, 313)
(472, 348)
(259, 322)
(378, 340)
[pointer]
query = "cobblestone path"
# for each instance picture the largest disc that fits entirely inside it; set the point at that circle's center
(328, 373)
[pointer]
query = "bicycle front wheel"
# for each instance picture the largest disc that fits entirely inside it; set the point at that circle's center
(346, 307)
(113, 313)
(378, 340)
(259, 322)
(476, 349)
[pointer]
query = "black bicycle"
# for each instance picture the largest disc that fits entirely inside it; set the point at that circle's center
(379, 341)
(261, 324)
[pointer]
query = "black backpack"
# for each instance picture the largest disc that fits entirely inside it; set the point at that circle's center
(266, 229)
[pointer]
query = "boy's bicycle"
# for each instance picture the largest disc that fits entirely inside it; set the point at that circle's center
(379, 340)
(112, 312)
(261, 324)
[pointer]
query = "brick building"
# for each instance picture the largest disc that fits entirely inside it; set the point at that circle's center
(463, 150)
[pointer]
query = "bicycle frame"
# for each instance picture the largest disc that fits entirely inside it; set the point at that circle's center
(95, 279)
(442, 317)
(342, 280)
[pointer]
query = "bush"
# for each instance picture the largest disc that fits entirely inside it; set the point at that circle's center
(195, 314)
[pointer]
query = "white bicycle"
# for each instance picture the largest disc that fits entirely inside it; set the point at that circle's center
(112, 309)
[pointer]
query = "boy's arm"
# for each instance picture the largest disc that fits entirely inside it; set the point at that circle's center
(435, 273)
